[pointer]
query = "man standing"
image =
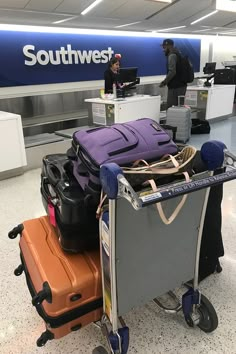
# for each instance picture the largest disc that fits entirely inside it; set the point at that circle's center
(174, 81)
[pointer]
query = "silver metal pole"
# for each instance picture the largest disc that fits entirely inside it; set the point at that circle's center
(112, 234)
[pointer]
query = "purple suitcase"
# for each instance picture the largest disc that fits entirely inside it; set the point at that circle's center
(120, 143)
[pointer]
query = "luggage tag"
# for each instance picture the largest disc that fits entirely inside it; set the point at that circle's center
(51, 212)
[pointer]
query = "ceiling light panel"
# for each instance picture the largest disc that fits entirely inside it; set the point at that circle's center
(171, 28)
(204, 17)
(66, 19)
(226, 5)
(90, 7)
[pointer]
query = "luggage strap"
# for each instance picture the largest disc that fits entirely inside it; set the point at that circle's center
(160, 210)
(168, 164)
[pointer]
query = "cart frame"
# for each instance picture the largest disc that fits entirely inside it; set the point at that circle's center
(197, 309)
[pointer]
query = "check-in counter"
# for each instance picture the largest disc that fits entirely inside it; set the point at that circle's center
(109, 111)
(12, 156)
(211, 102)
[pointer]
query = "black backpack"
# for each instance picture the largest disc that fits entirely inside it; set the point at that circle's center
(187, 72)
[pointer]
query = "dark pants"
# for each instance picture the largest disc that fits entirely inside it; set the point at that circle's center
(172, 97)
(212, 244)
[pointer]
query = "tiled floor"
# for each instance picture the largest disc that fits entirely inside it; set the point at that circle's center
(152, 331)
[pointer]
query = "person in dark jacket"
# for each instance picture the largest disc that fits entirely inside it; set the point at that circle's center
(111, 75)
(173, 80)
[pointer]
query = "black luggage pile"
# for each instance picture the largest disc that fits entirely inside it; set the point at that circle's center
(65, 203)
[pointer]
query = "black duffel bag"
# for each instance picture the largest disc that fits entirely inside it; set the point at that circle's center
(200, 126)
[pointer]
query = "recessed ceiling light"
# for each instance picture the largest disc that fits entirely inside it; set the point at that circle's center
(65, 20)
(90, 7)
(127, 24)
(202, 18)
(171, 28)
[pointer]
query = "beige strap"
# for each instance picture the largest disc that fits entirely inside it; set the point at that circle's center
(136, 163)
(155, 167)
(168, 164)
(99, 208)
(172, 217)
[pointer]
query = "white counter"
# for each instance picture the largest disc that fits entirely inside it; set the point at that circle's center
(12, 147)
(109, 111)
(217, 100)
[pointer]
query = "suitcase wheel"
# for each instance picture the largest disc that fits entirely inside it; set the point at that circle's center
(45, 336)
(14, 232)
(99, 350)
(19, 270)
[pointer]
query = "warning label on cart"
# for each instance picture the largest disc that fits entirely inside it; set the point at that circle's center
(150, 197)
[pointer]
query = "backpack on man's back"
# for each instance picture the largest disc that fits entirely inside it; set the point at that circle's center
(187, 71)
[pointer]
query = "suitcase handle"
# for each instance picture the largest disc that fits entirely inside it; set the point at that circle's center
(44, 294)
(55, 173)
(172, 128)
(46, 192)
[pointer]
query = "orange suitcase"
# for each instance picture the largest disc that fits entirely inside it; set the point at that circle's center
(66, 288)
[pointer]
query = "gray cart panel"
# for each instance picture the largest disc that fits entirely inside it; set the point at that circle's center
(151, 257)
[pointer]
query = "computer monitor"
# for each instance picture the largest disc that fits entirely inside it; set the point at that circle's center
(209, 68)
(128, 74)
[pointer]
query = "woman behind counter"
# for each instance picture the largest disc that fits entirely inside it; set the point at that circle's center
(111, 75)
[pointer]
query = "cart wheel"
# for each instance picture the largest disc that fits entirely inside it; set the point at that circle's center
(19, 270)
(99, 350)
(209, 320)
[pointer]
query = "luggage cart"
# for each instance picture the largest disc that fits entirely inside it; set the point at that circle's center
(142, 258)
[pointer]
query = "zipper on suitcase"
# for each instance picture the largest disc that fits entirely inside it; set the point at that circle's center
(77, 148)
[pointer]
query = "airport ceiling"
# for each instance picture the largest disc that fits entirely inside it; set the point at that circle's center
(126, 15)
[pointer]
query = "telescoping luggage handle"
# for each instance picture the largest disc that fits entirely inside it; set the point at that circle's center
(214, 154)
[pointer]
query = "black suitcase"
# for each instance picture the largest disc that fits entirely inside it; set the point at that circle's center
(212, 244)
(225, 77)
(65, 203)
